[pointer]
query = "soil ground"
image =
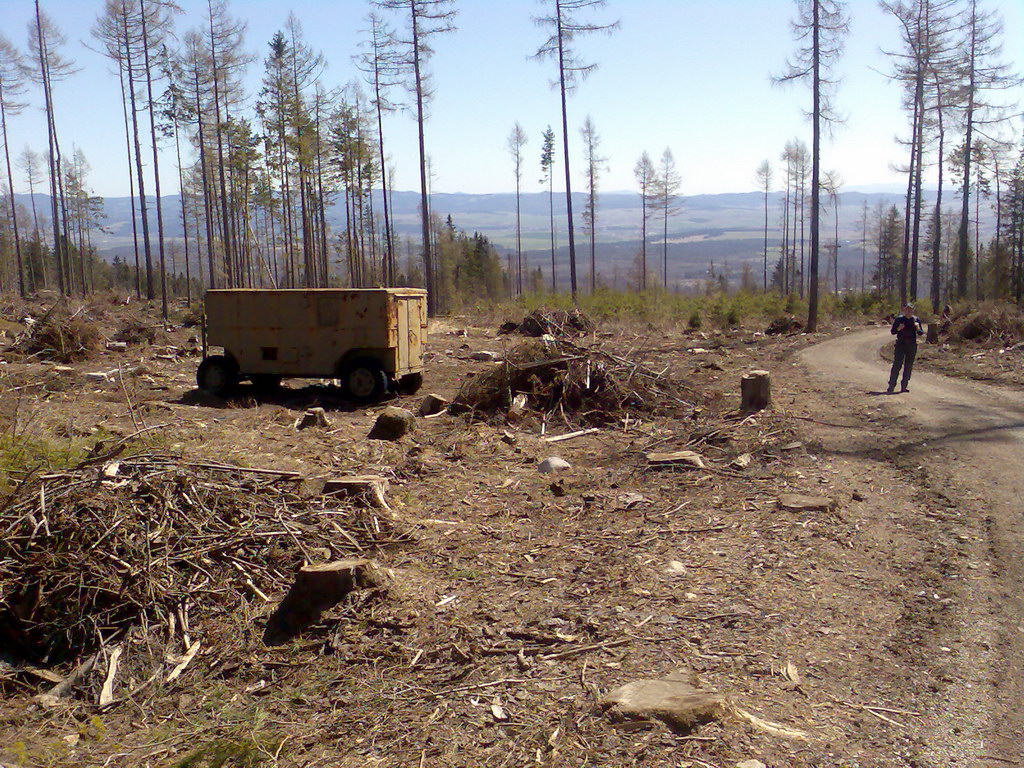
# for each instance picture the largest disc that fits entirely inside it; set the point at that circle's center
(887, 629)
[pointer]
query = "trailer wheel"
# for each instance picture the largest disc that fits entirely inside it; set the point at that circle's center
(410, 383)
(217, 375)
(364, 381)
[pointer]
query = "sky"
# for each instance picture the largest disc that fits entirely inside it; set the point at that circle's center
(690, 75)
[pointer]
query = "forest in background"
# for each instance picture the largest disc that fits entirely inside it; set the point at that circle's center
(291, 186)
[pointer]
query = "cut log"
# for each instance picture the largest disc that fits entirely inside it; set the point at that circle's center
(570, 435)
(796, 502)
(676, 458)
(368, 488)
(317, 588)
(755, 391)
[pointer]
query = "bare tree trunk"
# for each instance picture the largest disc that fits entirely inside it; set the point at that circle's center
(184, 214)
(58, 250)
(963, 255)
(207, 209)
(156, 161)
(229, 250)
(766, 237)
(551, 214)
(10, 185)
(131, 183)
(565, 151)
(150, 292)
(812, 309)
(428, 260)
(916, 175)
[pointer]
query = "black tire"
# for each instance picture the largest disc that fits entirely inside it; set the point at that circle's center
(265, 382)
(410, 383)
(217, 375)
(363, 381)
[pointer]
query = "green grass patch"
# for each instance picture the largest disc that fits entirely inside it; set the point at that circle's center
(23, 455)
(237, 752)
(702, 311)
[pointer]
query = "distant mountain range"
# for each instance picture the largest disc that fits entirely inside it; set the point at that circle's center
(725, 229)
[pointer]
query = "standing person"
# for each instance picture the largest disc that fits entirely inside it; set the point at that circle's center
(906, 328)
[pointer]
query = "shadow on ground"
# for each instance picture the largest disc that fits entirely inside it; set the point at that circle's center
(245, 395)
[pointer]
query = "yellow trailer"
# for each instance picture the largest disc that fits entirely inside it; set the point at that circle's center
(371, 339)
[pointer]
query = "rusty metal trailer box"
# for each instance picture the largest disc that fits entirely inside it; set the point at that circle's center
(368, 338)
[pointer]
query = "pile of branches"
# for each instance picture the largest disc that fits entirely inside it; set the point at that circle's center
(87, 554)
(136, 331)
(784, 324)
(577, 384)
(990, 323)
(560, 324)
(61, 337)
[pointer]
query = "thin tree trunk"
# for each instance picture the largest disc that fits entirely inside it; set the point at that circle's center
(551, 215)
(225, 217)
(14, 210)
(963, 255)
(131, 183)
(565, 151)
(812, 312)
(519, 233)
(389, 243)
(150, 292)
(156, 161)
(937, 234)
(916, 175)
(784, 265)
(766, 238)
(184, 214)
(428, 261)
(207, 208)
(51, 140)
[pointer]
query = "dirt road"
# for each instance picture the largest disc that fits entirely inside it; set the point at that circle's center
(964, 441)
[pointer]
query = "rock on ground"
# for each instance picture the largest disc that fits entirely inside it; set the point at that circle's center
(553, 464)
(392, 424)
(741, 462)
(674, 700)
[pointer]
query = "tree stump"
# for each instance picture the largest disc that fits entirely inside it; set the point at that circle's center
(392, 424)
(317, 588)
(755, 391)
(369, 489)
(933, 333)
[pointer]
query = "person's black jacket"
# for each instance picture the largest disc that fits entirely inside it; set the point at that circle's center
(910, 330)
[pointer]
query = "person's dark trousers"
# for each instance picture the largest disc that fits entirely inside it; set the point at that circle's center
(903, 358)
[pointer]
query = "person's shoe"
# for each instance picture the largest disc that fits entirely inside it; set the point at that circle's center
(904, 388)
(890, 391)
